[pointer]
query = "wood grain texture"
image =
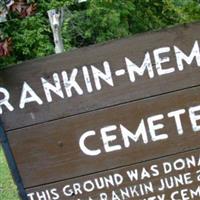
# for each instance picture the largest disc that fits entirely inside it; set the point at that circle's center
(140, 169)
(44, 139)
(50, 152)
(114, 52)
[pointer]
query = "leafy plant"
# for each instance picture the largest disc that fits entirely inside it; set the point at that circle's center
(92, 22)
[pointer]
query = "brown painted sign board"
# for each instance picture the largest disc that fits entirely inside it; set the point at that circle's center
(114, 121)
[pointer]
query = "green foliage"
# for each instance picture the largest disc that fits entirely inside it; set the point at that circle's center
(105, 20)
(93, 22)
(190, 10)
(30, 37)
(7, 187)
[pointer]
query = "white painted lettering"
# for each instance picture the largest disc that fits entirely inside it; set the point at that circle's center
(48, 87)
(107, 76)
(5, 100)
(140, 132)
(176, 114)
(83, 147)
(180, 56)
(71, 83)
(107, 139)
(87, 79)
(154, 127)
(159, 61)
(194, 117)
(133, 68)
(33, 97)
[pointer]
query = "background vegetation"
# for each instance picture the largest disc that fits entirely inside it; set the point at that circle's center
(7, 187)
(93, 22)
(90, 23)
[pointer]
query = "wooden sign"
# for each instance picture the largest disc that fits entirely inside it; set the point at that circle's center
(113, 121)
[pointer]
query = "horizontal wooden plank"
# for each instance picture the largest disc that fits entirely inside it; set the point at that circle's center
(165, 75)
(108, 138)
(132, 182)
